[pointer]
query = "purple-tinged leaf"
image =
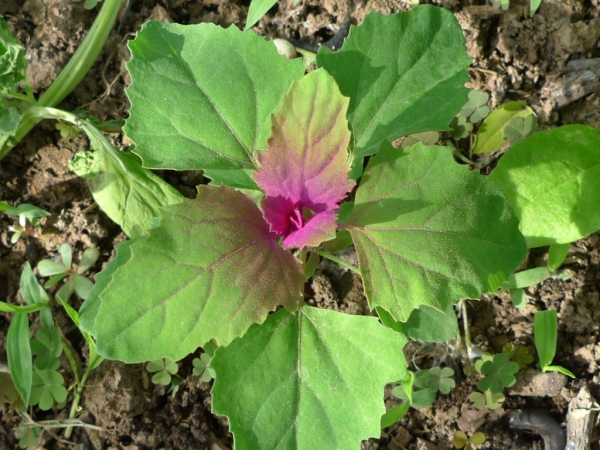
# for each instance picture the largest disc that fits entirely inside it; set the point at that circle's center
(304, 172)
(209, 271)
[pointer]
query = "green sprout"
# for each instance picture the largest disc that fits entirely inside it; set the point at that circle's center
(26, 213)
(518, 354)
(440, 379)
(476, 108)
(67, 129)
(202, 367)
(544, 331)
(462, 441)
(163, 369)
(60, 270)
(48, 347)
(504, 4)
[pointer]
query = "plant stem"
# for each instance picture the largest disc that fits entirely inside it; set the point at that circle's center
(34, 307)
(72, 74)
(78, 392)
(340, 261)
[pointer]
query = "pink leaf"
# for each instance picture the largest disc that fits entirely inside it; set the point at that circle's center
(304, 171)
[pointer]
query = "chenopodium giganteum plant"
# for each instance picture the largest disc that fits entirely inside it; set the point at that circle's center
(283, 150)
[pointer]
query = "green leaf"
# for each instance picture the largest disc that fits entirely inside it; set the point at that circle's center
(425, 324)
(478, 438)
(520, 127)
(237, 179)
(19, 354)
(297, 381)
(66, 255)
(12, 61)
(518, 298)
(385, 67)
(394, 414)
(88, 259)
(82, 286)
(209, 271)
(526, 278)
(557, 255)
(164, 368)
(552, 179)
(28, 437)
(31, 291)
(423, 398)
(440, 379)
(545, 327)
(47, 268)
(491, 134)
(258, 8)
(425, 230)
(461, 129)
(90, 308)
(47, 389)
(129, 194)
(533, 6)
(223, 87)
(499, 374)
(48, 346)
(476, 107)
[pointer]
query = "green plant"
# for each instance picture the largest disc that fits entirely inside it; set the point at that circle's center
(25, 213)
(40, 383)
(59, 270)
(462, 441)
(504, 4)
(162, 369)
(28, 436)
(545, 336)
(476, 108)
(202, 367)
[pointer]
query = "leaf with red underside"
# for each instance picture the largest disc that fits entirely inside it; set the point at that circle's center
(209, 271)
(304, 171)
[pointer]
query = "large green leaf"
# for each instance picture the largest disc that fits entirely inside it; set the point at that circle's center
(404, 73)
(552, 180)
(429, 231)
(209, 271)
(490, 136)
(258, 8)
(313, 380)
(425, 324)
(201, 96)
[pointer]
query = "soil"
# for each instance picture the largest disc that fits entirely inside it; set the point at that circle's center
(514, 57)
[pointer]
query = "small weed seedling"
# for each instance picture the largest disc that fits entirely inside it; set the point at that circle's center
(202, 367)
(545, 335)
(26, 213)
(163, 370)
(59, 270)
(462, 441)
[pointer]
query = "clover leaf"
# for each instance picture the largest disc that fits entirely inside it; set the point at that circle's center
(462, 441)
(202, 367)
(520, 127)
(487, 398)
(476, 108)
(28, 436)
(460, 127)
(47, 388)
(164, 368)
(518, 354)
(499, 373)
(441, 379)
(48, 346)
(60, 270)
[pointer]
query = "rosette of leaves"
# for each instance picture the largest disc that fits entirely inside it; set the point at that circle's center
(217, 266)
(59, 270)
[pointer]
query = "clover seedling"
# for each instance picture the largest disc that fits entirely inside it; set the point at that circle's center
(520, 127)
(518, 354)
(47, 388)
(462, 441)
(28, 436)
(26, 213)
(476, 108)
(499, 373)
(486, 399)
(162, 369)
(461, 128)
(202, 367)
(60, 270)
(545, 326)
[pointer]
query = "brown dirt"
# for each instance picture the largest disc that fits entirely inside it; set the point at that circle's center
(514, 57)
